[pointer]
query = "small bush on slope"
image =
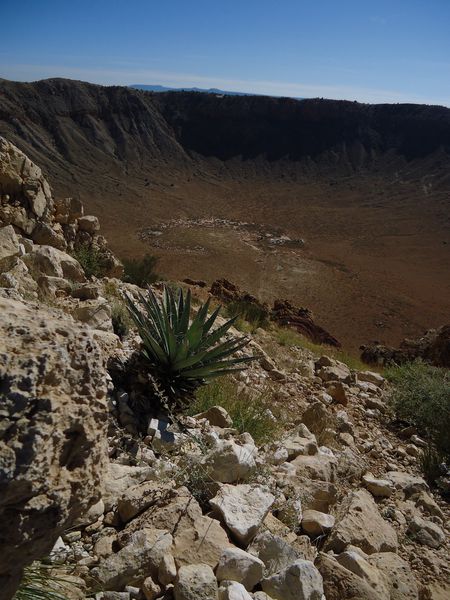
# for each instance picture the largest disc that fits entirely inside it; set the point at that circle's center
(421, 395)
(254, 315)
(249, 412)
(140, 271)
(91, 259)
(289, 338)
(120, 318)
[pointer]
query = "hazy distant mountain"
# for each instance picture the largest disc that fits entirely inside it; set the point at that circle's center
(162, 88)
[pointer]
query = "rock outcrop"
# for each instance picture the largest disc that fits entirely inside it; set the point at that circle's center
(282, 312)
(48, 228)
(432, 347)
(53, 431)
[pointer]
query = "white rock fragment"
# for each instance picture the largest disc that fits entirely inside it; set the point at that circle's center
(300, 581)
(243, 508)
(196, 582)
(237, 565)
(317, 523)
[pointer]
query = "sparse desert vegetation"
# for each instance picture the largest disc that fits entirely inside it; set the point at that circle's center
(141, 271)
(421, 396)
(249, 412)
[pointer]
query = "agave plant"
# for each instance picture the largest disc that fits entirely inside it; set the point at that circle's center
(39, 582)
(184, 353)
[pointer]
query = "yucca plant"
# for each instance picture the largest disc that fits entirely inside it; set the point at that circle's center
(184, 353)
(40, 583)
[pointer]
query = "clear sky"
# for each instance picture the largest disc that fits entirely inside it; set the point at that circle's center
(368, 50)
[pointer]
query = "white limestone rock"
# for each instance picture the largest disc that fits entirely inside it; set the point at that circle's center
(237, 565)
(300, 581)
(196, 582)
(243, 508)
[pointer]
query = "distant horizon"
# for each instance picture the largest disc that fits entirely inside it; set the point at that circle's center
(383, 52)
(196, 89)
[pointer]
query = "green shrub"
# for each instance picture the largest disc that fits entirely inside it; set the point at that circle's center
(285, 336)
(421, 396)
(140, 271)
(430, 462)
(91, 259)
(289, 337)
(255, 315)
(183, 353)
(249, 411)
(120, 318)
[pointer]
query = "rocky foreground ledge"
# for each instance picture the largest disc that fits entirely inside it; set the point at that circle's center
(332, 507)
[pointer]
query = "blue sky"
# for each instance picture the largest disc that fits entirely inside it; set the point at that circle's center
(366, 50)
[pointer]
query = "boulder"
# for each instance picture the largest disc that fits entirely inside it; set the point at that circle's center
(339, 392)
(151, 589)
(399, 576)
(360, 524)
(9, 247)
(196, 538)
(408, 484)
(167, 571)
(96, 313)
(237, 565)
(316, 523)
(68, 210)
(301, 320)
(46, 260)
(351, 465)
(243, 508)
(426, 532)
(339, 583)
(275, 553)
(357, 564)
(234, 591)
(371, 377)
(337, 372)
(427, 504)
(45, 235)
(318, 495)
(196, 582)
(300, 441)
(54, 286)
(89, 224)
(136, 561)
(316, 417)
(380, 488)
(228, 462)
(140, 497)
(53, 440)
(87, 291)
(216, 416)
(320, 466)
(300, 581)
(119, 478)
(18, 278)
(22, 180)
